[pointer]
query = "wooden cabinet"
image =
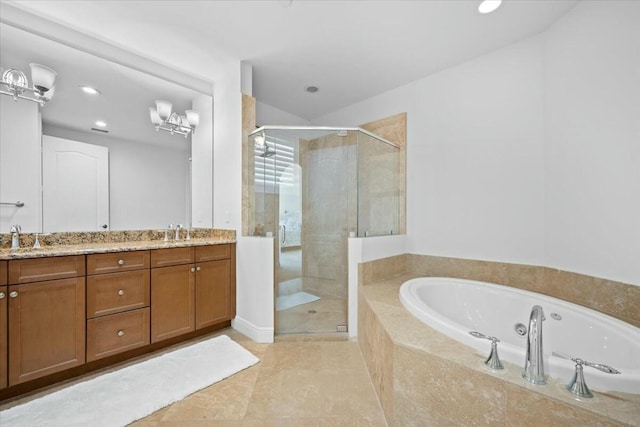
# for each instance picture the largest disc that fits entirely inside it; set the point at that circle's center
(212, 292)
(57, 313)
(3, 325)
(118, 298)
(109, 335)
(197, 293)
(41, 269)
(117, 292)
(3, 337)
(172, 301)
(46, 327)
(117, 262)
(3, 273)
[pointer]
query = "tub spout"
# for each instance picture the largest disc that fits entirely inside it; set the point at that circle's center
(534, 363)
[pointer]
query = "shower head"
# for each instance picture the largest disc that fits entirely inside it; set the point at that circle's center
(268, 152)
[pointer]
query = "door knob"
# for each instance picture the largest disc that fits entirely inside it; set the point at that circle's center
(2, 295)
(13, 294)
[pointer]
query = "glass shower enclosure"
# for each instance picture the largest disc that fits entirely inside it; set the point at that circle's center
(312, 188)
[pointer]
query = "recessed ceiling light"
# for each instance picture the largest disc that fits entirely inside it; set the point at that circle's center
(488, 6)
(90, 90)
(101, 124)
(311, 89)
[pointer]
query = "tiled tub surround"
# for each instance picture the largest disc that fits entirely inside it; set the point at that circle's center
(423, 377)
(79, 243)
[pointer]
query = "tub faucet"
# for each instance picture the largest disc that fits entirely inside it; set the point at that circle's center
(15, 236)
(534, 363)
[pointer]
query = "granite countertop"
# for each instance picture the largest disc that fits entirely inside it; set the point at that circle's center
(63, 244)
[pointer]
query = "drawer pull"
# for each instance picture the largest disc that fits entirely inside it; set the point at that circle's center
(120, 262)
(13, 294)
(120, 292)
(120, 333)
(2, 295)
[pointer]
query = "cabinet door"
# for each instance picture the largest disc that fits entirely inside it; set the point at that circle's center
(3, 337)
(212, 292)
(172, 301)
(46, 328)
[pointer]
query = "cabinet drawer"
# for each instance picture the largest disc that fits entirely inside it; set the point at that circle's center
(41, 269)
(212, 253)
(117, 292)
(117, 261)
(172, 256)
(3, 273)
(117, 333)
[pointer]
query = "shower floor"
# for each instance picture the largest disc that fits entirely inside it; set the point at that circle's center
(320, 316)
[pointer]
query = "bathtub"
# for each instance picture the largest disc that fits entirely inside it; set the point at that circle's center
(457, 306)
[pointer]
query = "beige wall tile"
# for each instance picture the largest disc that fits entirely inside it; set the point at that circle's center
(377, 351)
(525, 408)
(428, 389)
(616, 299)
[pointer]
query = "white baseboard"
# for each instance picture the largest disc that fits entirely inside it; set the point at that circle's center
(256, 333)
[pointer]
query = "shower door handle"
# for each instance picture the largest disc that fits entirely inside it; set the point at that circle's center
(284, 234)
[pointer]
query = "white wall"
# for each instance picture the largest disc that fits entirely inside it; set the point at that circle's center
(202, 165)
(475, 186)
(268, 115)
(147, 183)
(20, 165)
(227, 149)
(529, 154)
(593, 147)
(255, 288)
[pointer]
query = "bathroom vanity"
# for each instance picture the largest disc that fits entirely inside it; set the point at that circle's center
(68, 310)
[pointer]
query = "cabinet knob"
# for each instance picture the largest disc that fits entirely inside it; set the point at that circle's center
(13, 294)
(2, 295)
(197, 268)
(193, 270)
(120, 333)
(120, 262)
(120, 292)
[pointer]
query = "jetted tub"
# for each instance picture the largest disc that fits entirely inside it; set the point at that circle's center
(457, 306)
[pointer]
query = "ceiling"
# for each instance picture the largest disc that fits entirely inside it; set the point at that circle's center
(351, 50)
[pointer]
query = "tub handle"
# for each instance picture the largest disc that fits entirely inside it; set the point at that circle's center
(577, 385)
(493, 361)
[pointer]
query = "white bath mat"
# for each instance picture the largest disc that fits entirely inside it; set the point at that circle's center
(128, 394)
(299, 298)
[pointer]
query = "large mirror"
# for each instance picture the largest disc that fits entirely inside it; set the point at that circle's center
(52, 157)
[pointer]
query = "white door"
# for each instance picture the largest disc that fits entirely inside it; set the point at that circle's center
(75, 185)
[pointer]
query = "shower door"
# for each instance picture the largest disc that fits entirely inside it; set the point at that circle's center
(311, 188)
(317, 210)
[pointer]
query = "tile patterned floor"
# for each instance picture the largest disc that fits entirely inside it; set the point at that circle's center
(302, 382)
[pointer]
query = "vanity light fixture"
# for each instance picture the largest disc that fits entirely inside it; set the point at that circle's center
(101, 124)
(488, 6)
(14, 83)
(165, 120)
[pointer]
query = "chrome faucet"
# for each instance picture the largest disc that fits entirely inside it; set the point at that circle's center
(178, 228)
(15, 236)
(534, 363)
